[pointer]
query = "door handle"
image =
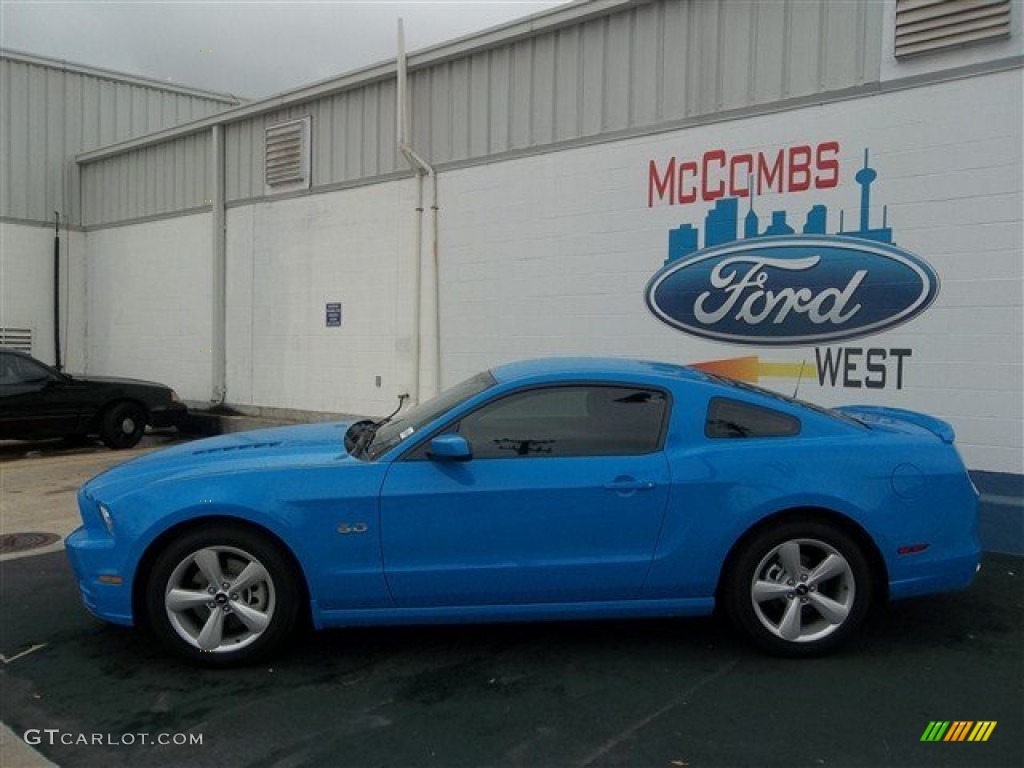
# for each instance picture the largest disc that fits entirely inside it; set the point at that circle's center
(629, 484)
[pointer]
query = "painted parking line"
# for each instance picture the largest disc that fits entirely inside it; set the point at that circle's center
(627, 734)
(32, 649)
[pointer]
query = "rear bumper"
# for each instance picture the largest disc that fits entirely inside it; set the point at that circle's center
(939, 576)
(91, 556)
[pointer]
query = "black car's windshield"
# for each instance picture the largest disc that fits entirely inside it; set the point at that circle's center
(392, 433)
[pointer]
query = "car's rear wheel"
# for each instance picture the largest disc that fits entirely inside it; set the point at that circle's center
(799, 588)
(123, 425)
(222, 595)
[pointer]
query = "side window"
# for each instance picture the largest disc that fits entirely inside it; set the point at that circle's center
(733, 418)
(568, 421)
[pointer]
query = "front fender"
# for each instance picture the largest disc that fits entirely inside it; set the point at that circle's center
(328, 520)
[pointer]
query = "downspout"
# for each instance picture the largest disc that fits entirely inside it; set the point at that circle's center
(218, 339)
(400, 133)
(434, 207)
(56, 291)
(79, 208)
(422, 168)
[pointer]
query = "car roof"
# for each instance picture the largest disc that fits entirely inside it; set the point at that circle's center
(19, 353)
(593, 367)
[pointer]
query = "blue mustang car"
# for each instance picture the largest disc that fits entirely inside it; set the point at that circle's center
(553, 489)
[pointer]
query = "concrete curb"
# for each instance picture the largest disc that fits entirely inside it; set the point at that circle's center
(206, 423)
(15, 753)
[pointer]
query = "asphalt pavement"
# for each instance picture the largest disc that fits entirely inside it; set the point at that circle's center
(650, 693)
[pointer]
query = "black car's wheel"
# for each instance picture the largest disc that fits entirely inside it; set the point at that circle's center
(799, 588)
(222, 595)
(123, 425)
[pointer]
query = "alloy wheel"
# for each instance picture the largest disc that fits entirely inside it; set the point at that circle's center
(220, 599)
(803, 590)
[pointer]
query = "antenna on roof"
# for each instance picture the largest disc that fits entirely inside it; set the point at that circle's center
(799, 378)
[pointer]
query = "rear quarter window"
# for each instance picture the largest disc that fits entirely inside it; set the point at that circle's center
(731, 419)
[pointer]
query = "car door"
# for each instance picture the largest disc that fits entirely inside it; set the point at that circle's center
(561, 502)
(35, 402)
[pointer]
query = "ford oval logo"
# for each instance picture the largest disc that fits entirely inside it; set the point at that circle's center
(792, 290)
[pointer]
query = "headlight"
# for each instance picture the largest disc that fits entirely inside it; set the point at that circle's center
(174, 397)
(107, 519)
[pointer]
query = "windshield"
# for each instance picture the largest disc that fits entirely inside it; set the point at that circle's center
(394, 432)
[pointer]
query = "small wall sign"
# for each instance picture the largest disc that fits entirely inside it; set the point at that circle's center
(333, 314)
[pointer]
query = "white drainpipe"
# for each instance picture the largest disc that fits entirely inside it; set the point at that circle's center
(422, 168)
(218, 336)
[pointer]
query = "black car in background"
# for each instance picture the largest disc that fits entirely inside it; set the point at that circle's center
(38, 402)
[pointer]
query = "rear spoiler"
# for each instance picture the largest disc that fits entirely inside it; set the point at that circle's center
(938, 427)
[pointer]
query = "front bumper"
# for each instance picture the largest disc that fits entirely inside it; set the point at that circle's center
(93, 555)
(171, 416)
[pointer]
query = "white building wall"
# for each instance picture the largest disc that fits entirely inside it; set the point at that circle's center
(286, 261)
(148, 291)
(550, 255)
(26, 289)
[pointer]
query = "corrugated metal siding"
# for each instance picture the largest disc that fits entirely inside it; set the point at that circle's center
(645, 67)
(48, 115)
(353, 135)
(652, 64)
(152, 181)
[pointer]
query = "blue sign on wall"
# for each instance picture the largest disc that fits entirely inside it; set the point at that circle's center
(334, 314)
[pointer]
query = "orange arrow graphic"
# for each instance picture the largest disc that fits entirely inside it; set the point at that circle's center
(753, 369)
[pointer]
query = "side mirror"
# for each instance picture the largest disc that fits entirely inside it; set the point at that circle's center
(449, 448)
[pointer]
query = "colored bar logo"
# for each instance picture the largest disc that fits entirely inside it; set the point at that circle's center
(958, 730)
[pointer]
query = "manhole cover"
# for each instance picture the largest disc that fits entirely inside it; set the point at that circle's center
(20, 542)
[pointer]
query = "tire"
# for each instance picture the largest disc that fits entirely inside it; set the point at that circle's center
(806, 613)
(248, 615)
(123, 425)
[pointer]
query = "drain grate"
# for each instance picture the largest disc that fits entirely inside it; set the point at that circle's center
(20, 542)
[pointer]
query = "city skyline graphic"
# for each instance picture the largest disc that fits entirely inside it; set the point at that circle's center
(722, 222)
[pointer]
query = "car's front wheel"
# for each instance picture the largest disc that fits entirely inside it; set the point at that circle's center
(222, 595)
(799, 588)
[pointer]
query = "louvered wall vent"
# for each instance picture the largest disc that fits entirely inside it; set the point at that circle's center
(287, 156)
(923, 26)
(16, 338)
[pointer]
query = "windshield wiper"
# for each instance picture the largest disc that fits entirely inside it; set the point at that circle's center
(369, 428)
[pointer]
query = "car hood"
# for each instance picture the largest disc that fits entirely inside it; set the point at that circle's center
(259, 450)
